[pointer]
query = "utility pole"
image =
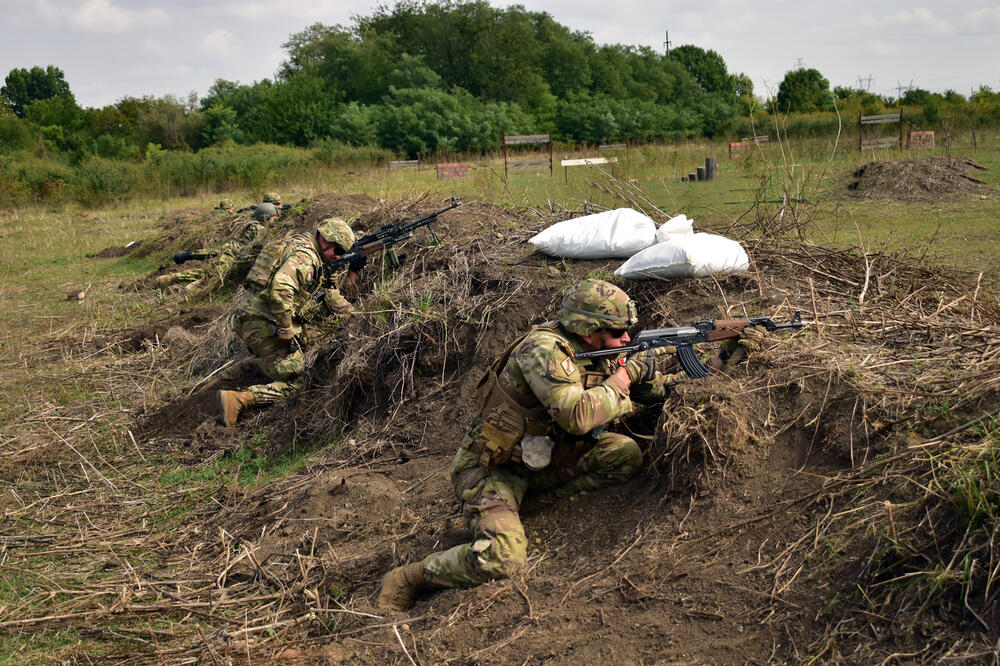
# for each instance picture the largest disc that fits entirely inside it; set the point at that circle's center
(666, 43)
(800, 63)
(865, 84)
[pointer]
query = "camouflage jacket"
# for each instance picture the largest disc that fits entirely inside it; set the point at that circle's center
(541, 371)
(251, 232)
(288, 292)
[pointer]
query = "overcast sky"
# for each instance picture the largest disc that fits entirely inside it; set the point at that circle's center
(110, 49)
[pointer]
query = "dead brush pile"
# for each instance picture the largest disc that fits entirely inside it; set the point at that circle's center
(917, 179)
(898, 378)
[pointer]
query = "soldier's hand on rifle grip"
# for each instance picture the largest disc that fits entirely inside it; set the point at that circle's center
(640, 366)
(357, 264)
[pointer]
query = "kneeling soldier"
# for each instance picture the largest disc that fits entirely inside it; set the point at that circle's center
(539, 434)
(267, 316)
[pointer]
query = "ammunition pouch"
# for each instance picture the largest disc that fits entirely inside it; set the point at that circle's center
(504, 423)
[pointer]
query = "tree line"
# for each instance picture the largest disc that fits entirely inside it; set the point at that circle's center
(419, 79)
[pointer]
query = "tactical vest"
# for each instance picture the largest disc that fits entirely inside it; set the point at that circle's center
(270, 259)
(505, 420)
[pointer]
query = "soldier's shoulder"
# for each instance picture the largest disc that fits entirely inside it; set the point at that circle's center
(544, 340)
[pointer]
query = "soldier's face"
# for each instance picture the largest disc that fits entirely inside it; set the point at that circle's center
(606, 338)
(615, 338)
(328, 251)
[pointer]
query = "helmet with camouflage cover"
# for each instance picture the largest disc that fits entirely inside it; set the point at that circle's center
(335, 230)
(272, 198)
(594, 304)
(264, 212)
(226, 204)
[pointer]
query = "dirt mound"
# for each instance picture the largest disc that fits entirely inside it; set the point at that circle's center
(917, 179)
(115, 251)
(195, 321)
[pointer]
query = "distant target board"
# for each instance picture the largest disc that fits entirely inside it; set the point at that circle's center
(917, 140)
(450, 170)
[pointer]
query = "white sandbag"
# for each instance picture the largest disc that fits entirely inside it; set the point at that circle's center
(679, 225)
(696, 255)
(615, 233)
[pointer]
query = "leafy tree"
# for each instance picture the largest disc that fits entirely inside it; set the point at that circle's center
(24, 86)
(220, 125)
(707, 67)
(916, 97)
(802, 90)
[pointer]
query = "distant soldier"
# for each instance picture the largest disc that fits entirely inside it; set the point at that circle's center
(268, 314)
(540, 433)
(264, 217)
(272, 198)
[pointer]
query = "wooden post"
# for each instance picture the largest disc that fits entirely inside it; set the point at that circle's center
(711, 168)
(701, 173)
(503, 138)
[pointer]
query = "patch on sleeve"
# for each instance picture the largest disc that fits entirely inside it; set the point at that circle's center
(568, 366)
(309, 276)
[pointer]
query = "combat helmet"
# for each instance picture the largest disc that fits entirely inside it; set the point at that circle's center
(335, 230)
(594, 304)
(264, 212)
(226, 204)
(272, 198)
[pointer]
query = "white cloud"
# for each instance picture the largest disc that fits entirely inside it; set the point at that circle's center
(278, 8)
(921, 19)
(983, 17)
(882, 48)
(98, 15)
(153, 47)
(219, 43)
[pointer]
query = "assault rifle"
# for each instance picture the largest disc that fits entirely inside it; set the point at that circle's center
(188, 255)
(382, 239)
(683, 337)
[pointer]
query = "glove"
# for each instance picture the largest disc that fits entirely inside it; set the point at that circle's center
(357, 263)
(642, 366)
(660, 384)
(285, 334)
(181, 257)
(752, 339)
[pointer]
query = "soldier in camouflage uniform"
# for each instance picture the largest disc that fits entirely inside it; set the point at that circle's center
(264, 216)
(539, 433)
(267, 316)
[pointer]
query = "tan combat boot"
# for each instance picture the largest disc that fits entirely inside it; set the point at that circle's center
(231, 403)
(400, 586)
(164, 281)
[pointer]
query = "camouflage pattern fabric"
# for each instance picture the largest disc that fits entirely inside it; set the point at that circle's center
(288, 291)
(594, 304)
(491, 501)
(282, 362)
(577, 398)
(225, 256)
(280, 304)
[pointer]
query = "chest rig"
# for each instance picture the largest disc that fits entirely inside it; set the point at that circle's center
(507, 417)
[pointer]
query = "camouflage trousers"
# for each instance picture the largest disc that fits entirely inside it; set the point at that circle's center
(281, 361)
(491, 502)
